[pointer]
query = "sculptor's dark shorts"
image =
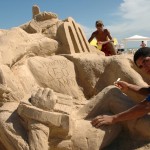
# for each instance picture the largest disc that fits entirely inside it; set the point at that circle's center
(105, 49)
(108, 49)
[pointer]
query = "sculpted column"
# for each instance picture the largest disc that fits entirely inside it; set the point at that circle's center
(35, 11)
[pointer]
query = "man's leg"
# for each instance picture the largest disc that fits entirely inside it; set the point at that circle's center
(110, 46)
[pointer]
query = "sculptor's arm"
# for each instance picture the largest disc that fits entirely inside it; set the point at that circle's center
(133, 113)
(92, 37)
(109, 35)
(105, 42)
(124, 86)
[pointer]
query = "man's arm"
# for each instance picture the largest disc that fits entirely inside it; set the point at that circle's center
(135, 112)
(141, 90)
(109, 35)
(105, 42)
(124, 86)
(92, 37)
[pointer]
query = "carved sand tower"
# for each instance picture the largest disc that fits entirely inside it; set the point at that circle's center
(72, 37)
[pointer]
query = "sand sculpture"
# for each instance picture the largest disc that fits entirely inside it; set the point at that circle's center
(52, 83)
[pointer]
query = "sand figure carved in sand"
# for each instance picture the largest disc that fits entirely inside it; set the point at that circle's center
(53, 83)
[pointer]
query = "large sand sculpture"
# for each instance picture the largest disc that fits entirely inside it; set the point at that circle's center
(52, 83)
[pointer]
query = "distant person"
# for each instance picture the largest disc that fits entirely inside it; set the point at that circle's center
(103, 38)
(120, 48)
(143, 44)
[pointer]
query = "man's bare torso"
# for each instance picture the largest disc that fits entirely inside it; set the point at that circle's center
(101, 35)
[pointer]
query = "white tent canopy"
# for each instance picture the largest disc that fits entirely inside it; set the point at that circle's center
(136, 38)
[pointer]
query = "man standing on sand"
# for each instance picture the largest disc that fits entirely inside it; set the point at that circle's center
(103, 38)
(143, 44)
(142, 61)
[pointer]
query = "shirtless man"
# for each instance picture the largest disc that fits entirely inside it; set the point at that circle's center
(103, 38)
(143, 44)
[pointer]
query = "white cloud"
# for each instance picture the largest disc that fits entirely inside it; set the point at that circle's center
(135, 19)
(135, 10)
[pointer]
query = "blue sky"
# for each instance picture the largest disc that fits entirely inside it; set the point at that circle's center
(123, 18)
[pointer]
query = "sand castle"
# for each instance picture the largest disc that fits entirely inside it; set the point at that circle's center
(53, 82)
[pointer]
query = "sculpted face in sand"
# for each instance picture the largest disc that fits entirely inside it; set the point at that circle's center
(47, 99)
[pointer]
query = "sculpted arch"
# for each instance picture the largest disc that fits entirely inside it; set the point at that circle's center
(73, 39)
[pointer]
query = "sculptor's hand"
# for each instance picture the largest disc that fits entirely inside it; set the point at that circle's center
(102, 120)
(104, 42)
(122, 85)
(111, 41)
